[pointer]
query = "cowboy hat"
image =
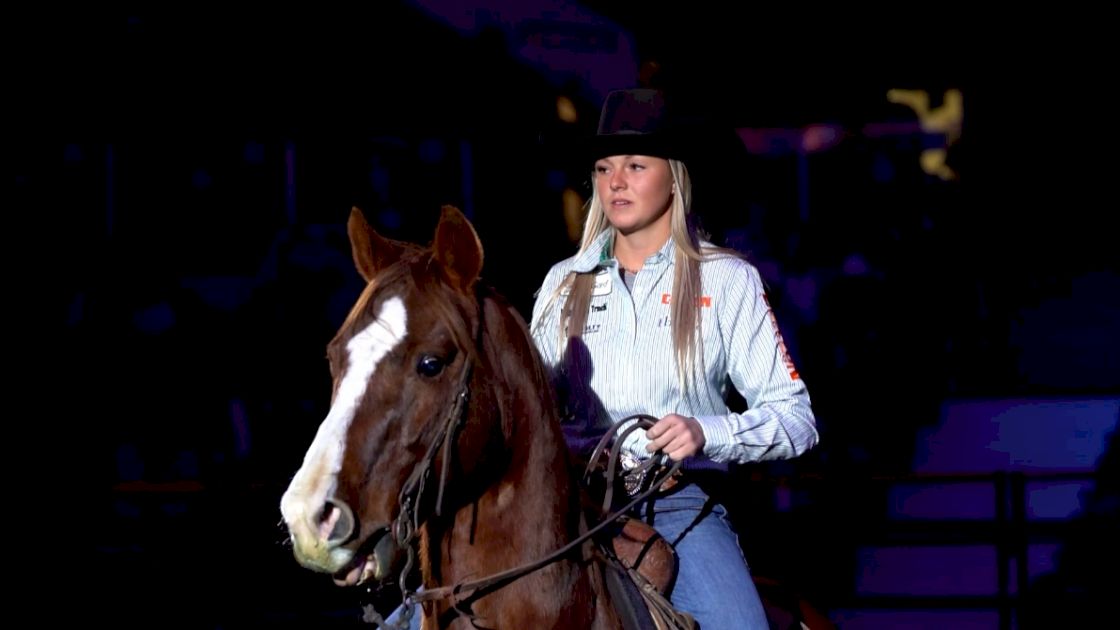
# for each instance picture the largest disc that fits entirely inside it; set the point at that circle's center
(637, 121)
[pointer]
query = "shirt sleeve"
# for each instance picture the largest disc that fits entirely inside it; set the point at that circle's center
(779, 422)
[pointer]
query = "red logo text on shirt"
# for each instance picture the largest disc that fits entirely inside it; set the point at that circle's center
(705, 300)
(781, 342)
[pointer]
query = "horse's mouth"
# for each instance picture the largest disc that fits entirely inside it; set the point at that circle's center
(378, 558)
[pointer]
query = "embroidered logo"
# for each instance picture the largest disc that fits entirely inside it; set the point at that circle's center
(602, 284)
(705, 300)
(781, 342)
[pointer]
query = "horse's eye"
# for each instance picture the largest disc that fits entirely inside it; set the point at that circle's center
(429, 365)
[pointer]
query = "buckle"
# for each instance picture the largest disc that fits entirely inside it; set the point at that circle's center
(634, 476)
(627, 460)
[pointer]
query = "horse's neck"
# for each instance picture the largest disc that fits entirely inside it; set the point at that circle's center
(531, 507)
(531, 512)
(525, 512)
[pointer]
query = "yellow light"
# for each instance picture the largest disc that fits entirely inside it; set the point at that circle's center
(945, 119)
(566, 110)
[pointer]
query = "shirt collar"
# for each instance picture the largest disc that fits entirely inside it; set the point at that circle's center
(599, 253)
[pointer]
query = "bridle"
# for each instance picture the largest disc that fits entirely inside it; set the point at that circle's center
(406, 524)
(404, 527)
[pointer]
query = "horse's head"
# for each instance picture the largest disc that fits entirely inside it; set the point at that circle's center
(399, 363)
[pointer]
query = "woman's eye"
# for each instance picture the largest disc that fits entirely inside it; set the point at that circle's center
(429, 366)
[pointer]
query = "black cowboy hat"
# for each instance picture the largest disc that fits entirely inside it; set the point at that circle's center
(638, 121)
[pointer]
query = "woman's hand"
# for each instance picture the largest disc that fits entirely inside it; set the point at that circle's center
(679, 436)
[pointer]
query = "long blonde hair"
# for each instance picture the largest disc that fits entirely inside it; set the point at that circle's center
(684, 306)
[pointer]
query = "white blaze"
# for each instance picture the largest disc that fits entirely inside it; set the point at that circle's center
(317, 478)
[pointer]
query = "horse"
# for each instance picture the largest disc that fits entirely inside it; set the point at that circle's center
(443, 432)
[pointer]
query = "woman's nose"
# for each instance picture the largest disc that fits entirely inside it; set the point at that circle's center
(617, 183)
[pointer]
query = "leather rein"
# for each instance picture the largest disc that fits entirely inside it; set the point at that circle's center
(407, 523)
(404, 527)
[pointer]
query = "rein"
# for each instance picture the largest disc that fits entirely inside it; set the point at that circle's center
(465, 591)
(407, 523)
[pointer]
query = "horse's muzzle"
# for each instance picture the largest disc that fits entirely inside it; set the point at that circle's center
(379, 559)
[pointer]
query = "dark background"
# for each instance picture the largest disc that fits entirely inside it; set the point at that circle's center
(182, 179)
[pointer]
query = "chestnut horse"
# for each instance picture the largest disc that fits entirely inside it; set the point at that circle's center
(443, 433)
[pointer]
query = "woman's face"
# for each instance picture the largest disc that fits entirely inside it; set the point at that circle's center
(636, 191)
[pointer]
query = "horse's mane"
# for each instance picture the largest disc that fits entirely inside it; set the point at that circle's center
(414, 270)
(522, 367)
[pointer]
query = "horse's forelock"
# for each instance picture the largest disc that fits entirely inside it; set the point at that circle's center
(387, 278)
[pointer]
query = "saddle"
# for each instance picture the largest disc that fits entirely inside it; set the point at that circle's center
(642, 566)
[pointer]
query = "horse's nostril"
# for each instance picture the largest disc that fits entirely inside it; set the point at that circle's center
(338, 518)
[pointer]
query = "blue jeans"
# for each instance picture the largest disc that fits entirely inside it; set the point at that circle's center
(713, 582)
(413, 621)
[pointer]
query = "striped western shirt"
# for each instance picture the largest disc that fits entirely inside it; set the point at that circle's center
(632, 366)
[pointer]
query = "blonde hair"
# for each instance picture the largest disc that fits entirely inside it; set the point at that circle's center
(684, 306)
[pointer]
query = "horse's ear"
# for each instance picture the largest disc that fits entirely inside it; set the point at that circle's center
(457, 247)
(371, 251)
